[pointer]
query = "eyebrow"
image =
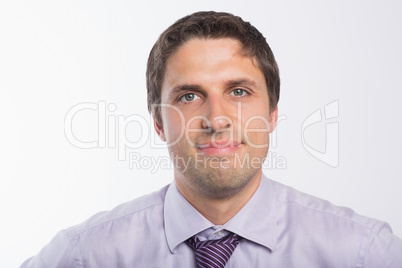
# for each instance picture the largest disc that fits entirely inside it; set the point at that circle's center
(243, 81)
(229, 83)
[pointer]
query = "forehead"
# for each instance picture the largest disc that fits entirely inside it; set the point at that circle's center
(210, 60)
(204, 48)
(228, 45)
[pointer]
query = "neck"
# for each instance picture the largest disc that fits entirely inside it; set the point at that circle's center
(217, 210)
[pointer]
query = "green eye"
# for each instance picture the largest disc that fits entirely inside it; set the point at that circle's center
(189, 97)
(238, 92)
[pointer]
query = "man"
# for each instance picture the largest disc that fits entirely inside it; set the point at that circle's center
(213, 88)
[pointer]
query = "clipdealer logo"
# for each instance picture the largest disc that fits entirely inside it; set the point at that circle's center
(330, 156)
(112, 133)
(112, 128)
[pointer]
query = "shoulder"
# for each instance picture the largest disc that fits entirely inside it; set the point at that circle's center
(324, 231)
(298, 202)
(150, 203)
(117, 229)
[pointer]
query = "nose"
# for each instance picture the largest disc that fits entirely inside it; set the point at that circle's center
(216, 115)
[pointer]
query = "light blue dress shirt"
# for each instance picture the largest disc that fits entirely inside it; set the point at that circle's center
(281, 226)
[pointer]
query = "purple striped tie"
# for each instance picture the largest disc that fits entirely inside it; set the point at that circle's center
(213, 253)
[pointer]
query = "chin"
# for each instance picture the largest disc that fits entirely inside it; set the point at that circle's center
(222, 182)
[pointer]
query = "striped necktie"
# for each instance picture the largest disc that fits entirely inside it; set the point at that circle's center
(213, 253)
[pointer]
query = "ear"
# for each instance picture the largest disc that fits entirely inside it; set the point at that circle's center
(159, 128)
(273, 119)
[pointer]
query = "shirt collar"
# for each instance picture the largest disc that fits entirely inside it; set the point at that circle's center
(181, 219)
(256, 221)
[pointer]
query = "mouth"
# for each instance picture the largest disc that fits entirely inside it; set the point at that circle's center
(219, 147)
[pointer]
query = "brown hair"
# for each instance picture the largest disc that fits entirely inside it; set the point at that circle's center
(210, 24)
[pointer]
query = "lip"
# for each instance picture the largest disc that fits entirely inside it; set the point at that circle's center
(218, 147)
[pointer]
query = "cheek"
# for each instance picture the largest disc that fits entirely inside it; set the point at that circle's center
(193, 128)
(173, 125)
(255, 128)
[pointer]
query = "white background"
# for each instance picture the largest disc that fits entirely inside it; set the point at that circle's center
(56, 54)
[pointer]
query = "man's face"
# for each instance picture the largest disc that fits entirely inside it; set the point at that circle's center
(215, 116)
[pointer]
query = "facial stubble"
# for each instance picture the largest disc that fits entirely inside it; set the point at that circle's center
(216, 177)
